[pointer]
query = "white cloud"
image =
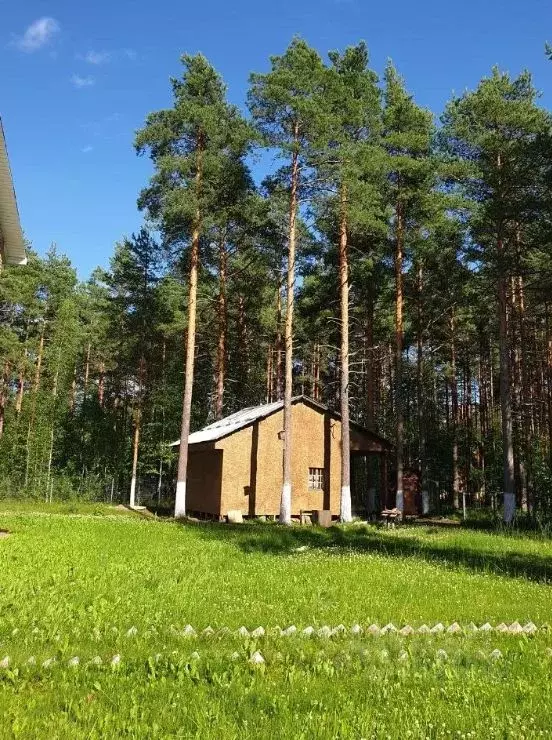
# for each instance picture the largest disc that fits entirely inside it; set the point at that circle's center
(38, 34)
(87, 149)
(103, 57)
(79, 81)
(97, 57)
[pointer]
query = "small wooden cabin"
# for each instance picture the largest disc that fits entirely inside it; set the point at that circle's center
(236, 464)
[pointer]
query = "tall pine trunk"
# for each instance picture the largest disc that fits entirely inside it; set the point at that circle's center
(135, 448)
(370, 379)
(49, 479)
(73, 390)
(243, 345)
(101, 385)
(523, 384)
(279, 343)
(21, 379)
(3, 395)
(454, 414)
(504, 364)
(87, 369)
(180, 499)
(137, 431)
(38, 369)
(222, 327)
(346, 514)
(316, 372)
(469, 434)
(163, 400)
(36, 387)
(269, 374)
(399, 334)
(505, 398)
(481, 494)
(420, 375)
(285, 503)
(20, 391)
(548, 350)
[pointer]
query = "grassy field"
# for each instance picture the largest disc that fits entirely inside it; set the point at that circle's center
(94, 603)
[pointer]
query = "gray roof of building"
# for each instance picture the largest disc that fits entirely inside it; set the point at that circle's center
(241, 419)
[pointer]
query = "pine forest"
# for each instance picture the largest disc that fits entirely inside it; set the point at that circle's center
(328, 238)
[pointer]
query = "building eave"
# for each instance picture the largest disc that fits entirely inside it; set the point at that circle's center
(12, 241)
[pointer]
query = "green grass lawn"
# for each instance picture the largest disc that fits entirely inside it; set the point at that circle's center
(93, 583)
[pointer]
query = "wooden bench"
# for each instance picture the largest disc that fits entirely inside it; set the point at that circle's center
(391, 517)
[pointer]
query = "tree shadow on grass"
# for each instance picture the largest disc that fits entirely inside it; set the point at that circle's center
(278, 540)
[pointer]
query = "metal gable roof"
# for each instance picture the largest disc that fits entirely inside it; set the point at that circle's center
(241, 419)
(10, 226)
(232, 423)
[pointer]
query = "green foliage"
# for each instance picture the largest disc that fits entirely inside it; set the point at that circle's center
(286, 102)
(80, 364)
(200, 132)
(502, 135)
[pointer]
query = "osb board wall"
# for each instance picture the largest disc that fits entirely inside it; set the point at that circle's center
(236, 476)
(317, 444)
(204, 477)
(316, 440)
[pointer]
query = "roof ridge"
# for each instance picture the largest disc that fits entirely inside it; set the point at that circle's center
(244, 417)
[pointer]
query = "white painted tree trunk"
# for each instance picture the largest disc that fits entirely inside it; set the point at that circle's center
(400, 500)
(345, 508)
(285, 504)
(346, 513)
(509, 507)
(180, 502)
(133, 492)
(425, 502)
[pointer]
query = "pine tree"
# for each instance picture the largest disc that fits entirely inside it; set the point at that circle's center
(187, 144)
(133, 281)
(346, 150)
(286, 104)
(407, 133)
(496, 130)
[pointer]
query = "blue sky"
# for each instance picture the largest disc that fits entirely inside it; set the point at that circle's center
(77, 79)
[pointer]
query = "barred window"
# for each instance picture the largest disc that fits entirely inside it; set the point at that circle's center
(316, 479)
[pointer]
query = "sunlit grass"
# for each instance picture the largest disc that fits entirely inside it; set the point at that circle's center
(97, 586)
